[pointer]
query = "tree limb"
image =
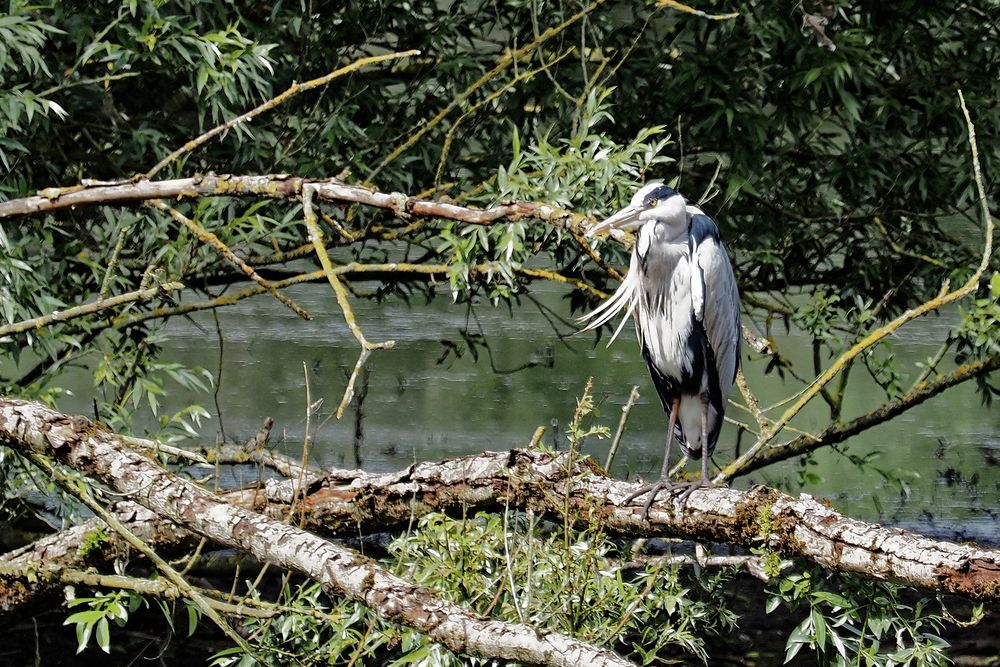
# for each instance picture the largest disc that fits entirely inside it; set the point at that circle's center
(89, 308)
(839, 431)
(349, 502)
(77, 442)
(275, 187)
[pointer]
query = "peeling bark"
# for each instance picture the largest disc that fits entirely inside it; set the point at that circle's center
(22, 571)
(278, 186)
(344, 501)
(79, 443)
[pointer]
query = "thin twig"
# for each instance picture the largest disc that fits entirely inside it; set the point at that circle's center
(752, 403)
(215, 242)
(86, 82)
(932, 365)
(505, 61)
(352, 268)
(292, 91)
(343, 300)
(633, 396)
(282, 464)
(109, 273)
(597, 259)
(559, 278)
(158, 447)
(306, 440)
(697, 12)
(89, 308)
(838, 432)
(450, 136)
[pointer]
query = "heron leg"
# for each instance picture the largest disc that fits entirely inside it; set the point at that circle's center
(704, 481)
(664, 481)
(675, 408)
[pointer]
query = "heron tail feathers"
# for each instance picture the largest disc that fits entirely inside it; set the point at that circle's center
(625, 297)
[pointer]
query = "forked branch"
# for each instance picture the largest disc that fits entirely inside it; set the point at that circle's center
(882, 332)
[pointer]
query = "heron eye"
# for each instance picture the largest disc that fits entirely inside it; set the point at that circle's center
(651, 203)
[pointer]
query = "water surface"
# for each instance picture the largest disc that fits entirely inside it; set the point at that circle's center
(935, 467)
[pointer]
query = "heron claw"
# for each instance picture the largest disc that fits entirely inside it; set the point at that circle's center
(652, 490)
(685, 489)
(703, 483)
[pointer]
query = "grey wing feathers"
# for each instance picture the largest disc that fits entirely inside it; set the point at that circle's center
(719, 308)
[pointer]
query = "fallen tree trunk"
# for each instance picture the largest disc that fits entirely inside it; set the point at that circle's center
(758, 517)
(31, 428)
(348, 502)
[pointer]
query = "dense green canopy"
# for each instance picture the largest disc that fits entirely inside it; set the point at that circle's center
(834, 126)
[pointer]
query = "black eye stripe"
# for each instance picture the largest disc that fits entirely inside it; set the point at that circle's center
(659, 194)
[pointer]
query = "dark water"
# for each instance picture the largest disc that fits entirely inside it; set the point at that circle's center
(426, 403)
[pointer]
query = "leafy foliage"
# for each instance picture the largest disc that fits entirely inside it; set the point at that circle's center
(513, 567)
(855, 621)
(101, 611)
(826, 141)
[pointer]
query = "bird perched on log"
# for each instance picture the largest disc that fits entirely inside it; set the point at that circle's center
(682, 293)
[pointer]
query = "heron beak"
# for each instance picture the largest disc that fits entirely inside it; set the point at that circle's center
(623, 219)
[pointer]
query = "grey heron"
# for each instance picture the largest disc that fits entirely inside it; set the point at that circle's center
(682, 293)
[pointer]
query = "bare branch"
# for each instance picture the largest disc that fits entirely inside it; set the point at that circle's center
(278, 187)
(697, 12)
(316, 236)
(838, 432)
(88, 308)
(633, 396)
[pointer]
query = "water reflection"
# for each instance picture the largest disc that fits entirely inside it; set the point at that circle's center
(428, 398)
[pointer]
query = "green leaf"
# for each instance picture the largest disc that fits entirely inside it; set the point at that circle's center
(201, 79)
(833, 599)
(416, 655)
(83, 631)
(812, 75)
(103, 635)
(87, 617)
(193, 617)
(819, 627)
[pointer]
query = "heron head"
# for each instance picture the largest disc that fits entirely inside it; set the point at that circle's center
(653, 201)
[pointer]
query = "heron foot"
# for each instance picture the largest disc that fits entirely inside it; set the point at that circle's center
(653, 490)
(683, 488)
(687, 488)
